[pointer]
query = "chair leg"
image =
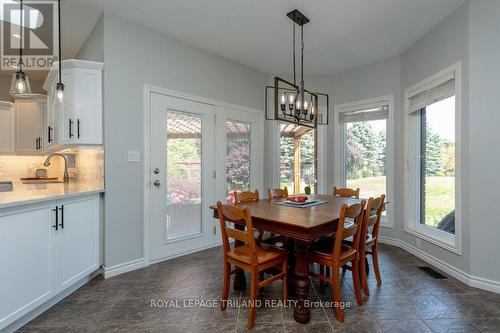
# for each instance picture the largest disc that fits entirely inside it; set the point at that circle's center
(375, 263)
(253, 297)
(284, 282)
(355, 279)
(227, 282)
(335, 281)
(364, 276)
(322, 272)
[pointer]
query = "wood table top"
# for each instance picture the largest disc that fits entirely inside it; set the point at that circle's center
(302, 223)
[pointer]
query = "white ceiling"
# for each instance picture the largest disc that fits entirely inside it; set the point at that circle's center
(78, 20)
(342, 34)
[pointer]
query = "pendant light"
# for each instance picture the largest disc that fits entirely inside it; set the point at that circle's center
(59, 85)
(20, 84)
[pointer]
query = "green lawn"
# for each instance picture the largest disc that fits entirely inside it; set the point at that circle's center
(440, 191)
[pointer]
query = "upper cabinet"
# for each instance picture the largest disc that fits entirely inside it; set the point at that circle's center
(7, 124)
(22, 125)
(78, 119)
(30, 114)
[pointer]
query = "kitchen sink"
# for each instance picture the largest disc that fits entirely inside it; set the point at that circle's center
(6, 186)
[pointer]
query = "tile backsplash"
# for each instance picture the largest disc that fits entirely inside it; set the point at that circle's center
(85, 165)
(15, 167)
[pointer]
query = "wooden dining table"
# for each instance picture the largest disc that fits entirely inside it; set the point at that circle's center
(301, 226)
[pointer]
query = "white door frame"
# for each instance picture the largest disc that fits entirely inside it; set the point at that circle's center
(148, 90)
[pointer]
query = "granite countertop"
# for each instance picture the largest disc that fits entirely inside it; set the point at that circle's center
(24, 194)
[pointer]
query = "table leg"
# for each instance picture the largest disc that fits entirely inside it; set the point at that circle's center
(239, 282)
(300, 280)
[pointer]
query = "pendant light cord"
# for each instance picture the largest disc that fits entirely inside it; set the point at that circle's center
(294, 75)
(21, 36)
(59, 28)
(302, 64)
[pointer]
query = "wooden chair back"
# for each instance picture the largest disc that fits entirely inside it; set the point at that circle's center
(346, 192)
(227, 215)
(373, 215)
(243, 197)
(274, 193)
(354, 212)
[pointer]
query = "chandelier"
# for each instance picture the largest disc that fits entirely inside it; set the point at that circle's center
(291, 102)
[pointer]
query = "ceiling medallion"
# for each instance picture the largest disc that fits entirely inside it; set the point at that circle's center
(291, 102)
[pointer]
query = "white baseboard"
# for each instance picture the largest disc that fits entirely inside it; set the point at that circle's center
(470, 280)
(123, 268)
(186, 253)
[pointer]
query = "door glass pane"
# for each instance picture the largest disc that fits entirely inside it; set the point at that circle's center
(365, 157)
(238, 144)
(437, 180)
(184, 165)
(297, 145)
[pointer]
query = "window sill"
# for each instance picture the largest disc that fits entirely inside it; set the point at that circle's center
(437, 237)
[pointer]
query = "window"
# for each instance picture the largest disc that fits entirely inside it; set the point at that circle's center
(432, 172)
(437, 165)
(297, 158)
(364, 149)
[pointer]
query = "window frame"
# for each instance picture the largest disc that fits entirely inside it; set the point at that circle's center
(387, 221)
(412, 170)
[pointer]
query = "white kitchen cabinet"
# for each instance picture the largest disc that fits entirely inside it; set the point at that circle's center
(78, 240)
(7, 127)
(45, 249)
(27, 257)
(77, 121)
(30, 115)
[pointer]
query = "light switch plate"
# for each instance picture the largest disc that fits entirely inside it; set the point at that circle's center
(134, 156)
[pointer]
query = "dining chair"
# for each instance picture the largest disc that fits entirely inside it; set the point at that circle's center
(333, 253)
(244, 197)
(345, 192)
(275, 193)
(373, 215)
(251, 257)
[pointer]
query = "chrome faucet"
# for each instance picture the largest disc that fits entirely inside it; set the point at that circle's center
(47, 163)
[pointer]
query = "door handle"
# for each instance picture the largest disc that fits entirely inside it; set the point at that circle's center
(70, 126)
(49, 139)
(62, 217)
(36, 144)
(156, 183)
(78, 128)
(56, 226)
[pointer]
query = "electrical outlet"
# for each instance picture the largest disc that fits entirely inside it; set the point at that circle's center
(134, 156)
(418, 243)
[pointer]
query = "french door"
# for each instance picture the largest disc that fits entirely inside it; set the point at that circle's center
(199, 154)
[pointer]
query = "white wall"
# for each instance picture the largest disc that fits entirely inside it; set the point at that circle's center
(484, 140)
(93, 48)
(444, 45)
(135, 55)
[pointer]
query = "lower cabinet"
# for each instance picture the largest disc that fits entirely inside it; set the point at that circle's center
(44, 249)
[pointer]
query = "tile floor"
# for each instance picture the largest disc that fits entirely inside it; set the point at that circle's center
(407, 301)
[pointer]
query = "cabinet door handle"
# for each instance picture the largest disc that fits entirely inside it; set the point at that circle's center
(70, 127)
(40, 143)
(36, 144)
(49, 133)
(62, 217)
(56, 210)
(78, 128)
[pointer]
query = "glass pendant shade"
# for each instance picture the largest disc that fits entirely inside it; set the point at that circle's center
(20, 84)
(60, 92)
